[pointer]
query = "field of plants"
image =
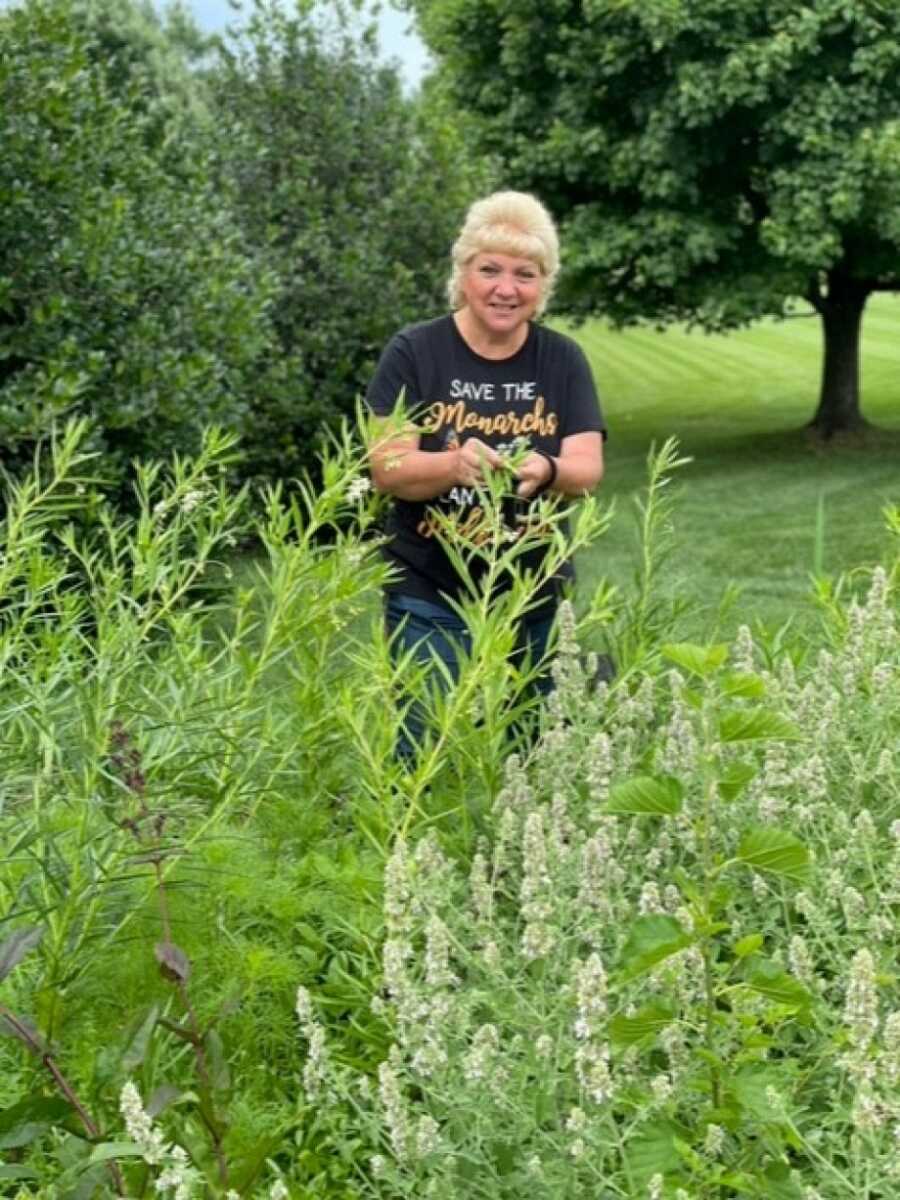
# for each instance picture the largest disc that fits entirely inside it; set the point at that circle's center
(640, 943)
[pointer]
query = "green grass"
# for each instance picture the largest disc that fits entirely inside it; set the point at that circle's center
(762, 504)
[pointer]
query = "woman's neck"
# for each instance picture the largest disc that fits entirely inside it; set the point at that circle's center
(484, 341)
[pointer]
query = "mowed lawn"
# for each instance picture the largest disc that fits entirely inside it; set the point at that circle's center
(761, 504)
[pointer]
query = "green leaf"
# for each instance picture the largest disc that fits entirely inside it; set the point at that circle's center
(23, 1134)
(688, 1154)
(779, 1183)
(174, 964)
(136, 1050)
(161, 1098)
(747, 945)
(10, 1172)
(743, 683)
(750, 1085)
(107, 1150)
(769, 980)
(647, 1023)
(652, 939)
(756, 724)
(46, 1110)
(659, 796)
(651, 1151)
(698, 660)
(735, 778)
(87, 1185)
(219, 1074)
(776, 851)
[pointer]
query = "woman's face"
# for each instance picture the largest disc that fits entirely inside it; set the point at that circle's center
(501, 292)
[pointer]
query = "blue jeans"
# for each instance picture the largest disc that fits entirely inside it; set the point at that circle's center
(431, 632)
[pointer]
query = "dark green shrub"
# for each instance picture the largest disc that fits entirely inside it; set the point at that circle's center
(125, 293)
(350, 193)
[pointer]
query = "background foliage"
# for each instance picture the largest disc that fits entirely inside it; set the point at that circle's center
(349, 193)
(196, 231)
(123, 290)
(713, 161)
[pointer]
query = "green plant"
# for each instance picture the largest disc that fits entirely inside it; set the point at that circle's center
(635, 941)
(348, 194)
(706, 171)
(150, 718)
(124, 291)
(665, 969)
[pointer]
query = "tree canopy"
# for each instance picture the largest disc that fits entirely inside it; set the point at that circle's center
(197, 231)
(124, 291)
(712, 160)
(349, 193)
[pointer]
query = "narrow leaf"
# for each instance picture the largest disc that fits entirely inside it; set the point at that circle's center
(11, 1172)
(23, 1134)
(136, 1050)
(659, 796)
(776, 851)
(88, 1183)
(756, 724)
(161, 1098)
(51, 1110)
(220, 1076)
(107, 1150)
(16, 946)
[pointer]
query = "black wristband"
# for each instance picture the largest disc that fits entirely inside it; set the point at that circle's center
(552, 477)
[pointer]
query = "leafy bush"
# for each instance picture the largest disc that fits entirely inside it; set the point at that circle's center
(349, 194)
(638, 942)
(669, 967)
(162, 745)
(195, 232)
(124, 290)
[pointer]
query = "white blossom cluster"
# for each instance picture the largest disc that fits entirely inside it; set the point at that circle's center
(502, 977)
(177, 1175)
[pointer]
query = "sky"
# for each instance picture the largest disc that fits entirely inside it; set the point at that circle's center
(398, 41)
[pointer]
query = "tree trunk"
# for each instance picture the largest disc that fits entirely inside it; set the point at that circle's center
(841, 312)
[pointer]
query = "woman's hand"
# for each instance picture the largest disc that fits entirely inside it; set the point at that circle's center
(474, 459)
(532, 475)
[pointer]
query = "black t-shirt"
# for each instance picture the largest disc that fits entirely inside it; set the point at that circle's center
(542, 394)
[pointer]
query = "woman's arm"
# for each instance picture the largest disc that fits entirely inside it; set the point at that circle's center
(579, 467)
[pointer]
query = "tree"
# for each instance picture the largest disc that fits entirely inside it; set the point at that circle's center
(348, 193)
(712, 160)
(124, 291)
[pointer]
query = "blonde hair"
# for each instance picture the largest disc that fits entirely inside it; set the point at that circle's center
(513, 223)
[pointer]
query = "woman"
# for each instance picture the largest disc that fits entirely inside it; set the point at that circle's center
(485, 378)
